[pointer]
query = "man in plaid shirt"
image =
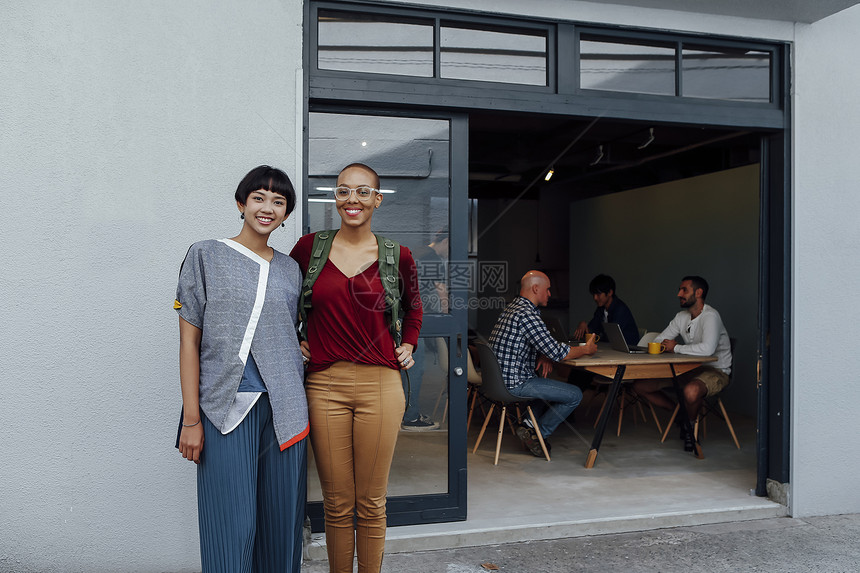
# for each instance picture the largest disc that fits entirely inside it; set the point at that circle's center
(526, 350)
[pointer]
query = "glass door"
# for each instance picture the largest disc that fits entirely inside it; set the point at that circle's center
(422, 164)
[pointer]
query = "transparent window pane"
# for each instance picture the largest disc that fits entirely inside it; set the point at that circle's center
(492, 56)
(626, 67)
(725, 73)
(375, 44)
(420, 463)
(411, 156)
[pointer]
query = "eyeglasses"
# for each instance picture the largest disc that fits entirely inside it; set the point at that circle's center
(362, 192)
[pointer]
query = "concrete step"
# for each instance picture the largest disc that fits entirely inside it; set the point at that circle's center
(483, 532)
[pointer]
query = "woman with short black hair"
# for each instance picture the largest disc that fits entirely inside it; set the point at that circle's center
(244, 419)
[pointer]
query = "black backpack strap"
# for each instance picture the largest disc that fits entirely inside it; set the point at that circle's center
(319, 256)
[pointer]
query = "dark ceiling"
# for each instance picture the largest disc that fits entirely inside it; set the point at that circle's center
(509, 154)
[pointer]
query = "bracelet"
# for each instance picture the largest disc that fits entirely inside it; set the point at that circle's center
(190, 425)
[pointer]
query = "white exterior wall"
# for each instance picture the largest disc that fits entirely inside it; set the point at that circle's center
(826, 322)
(124, 131)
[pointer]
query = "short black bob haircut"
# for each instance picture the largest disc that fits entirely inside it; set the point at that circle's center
(268, 178)
(602, 284)
(698, 283)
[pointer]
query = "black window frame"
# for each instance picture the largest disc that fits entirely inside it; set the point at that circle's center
(773, 120)
(680, 40)
(491, 24)
(563, 72)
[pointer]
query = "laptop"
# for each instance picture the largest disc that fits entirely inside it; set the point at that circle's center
(616, 339)
(553, 324)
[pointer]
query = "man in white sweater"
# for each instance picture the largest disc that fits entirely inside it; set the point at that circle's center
(703, 334)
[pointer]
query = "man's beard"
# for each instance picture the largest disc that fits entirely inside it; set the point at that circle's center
(687, 303)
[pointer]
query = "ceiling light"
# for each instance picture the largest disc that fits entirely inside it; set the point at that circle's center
(549, 173)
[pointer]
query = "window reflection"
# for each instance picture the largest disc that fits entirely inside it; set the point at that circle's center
(626, 67)
(493, 56)
(411, 156)
(725, 73)
(375, 44)
(420, 464)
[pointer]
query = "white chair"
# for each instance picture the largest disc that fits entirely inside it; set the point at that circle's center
(647, 337)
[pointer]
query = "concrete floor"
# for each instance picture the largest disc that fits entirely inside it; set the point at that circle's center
(637, 484)
(785, 545)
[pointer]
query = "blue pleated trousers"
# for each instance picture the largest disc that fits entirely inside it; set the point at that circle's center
(251, 497)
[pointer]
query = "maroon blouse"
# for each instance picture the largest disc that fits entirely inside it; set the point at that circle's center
(347, 321)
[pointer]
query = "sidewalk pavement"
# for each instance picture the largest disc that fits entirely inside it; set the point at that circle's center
(828, 544)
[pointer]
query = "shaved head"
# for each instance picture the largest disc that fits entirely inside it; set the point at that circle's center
(531, 279)
(535, 286)
(360, 167)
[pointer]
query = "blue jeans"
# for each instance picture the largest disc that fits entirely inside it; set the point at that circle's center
(560, 399)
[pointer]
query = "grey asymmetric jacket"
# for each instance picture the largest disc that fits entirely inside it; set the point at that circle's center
(243, 304)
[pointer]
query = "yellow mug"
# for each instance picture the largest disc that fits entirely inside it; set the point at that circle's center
(656, 348)
(596, 337)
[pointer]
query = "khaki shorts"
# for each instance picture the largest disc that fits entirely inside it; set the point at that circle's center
(713, 379)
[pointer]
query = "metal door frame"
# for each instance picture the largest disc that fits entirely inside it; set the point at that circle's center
(449, 506)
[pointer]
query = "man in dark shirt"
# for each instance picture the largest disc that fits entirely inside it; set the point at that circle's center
(610, 308)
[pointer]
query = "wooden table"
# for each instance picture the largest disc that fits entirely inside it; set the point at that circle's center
(621, 366)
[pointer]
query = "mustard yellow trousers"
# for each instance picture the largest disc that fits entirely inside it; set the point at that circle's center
(355, 412)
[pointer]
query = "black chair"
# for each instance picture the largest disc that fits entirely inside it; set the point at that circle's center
(493, 389)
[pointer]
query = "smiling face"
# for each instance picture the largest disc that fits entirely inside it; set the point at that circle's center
(603, 299)
(353, 211)
(687, 295)
(264, 211)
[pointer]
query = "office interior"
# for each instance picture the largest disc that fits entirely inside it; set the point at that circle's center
(646, 204)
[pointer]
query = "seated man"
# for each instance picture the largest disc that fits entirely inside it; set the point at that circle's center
(525, 350)
(703, 333)
(610, 308)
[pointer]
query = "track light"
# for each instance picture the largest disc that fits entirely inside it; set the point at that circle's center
(549, 173)
(599, 155)
(650, 139)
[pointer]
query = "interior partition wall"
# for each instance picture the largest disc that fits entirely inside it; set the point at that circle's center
(368, 60)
